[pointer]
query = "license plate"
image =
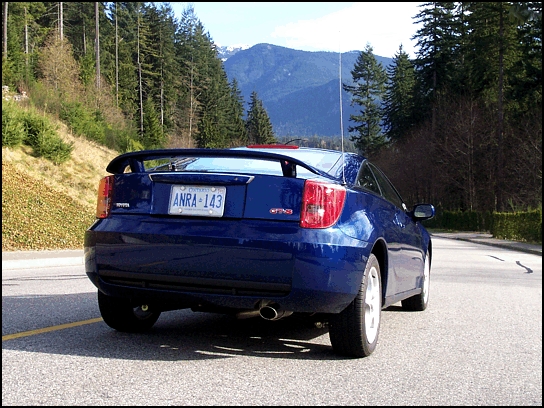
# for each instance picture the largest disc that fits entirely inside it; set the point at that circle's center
(203, 201)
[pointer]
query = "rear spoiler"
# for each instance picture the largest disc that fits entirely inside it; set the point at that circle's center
(135, 159)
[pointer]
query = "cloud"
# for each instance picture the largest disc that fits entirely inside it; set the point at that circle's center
(353, 27)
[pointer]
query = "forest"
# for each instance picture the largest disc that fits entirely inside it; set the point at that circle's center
(460, 125)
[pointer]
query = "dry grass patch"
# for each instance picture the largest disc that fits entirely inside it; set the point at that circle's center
(48, 206)
(77, 178)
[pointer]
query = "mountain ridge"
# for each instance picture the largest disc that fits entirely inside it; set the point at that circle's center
(299, 89)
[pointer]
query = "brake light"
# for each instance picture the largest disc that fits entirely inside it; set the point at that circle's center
(271, 146)
(103, 204)
(322, 204)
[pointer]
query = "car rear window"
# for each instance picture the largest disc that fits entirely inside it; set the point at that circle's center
(323, 161)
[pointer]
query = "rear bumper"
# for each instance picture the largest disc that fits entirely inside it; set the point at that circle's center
(194, 263)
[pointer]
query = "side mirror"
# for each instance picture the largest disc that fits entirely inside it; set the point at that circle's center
(423, 212)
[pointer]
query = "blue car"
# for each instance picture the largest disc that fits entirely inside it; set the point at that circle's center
(258, 231)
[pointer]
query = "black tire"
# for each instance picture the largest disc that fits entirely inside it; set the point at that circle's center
(419, 303)
(354, 331)
(121, 315)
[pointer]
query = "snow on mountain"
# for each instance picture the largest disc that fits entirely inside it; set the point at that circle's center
(226, 52)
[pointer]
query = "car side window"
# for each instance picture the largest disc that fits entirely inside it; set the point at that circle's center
(388, 191)
(366, 180)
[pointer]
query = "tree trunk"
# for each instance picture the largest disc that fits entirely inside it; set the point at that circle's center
(26, 40)
(500, 124)
(61, 23)
(140, 81)
(5, 45)
(97, 44)
(191, 101)
(116, 60)
(162, 103)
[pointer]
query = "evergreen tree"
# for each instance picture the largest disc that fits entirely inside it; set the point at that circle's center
(369, 78)
(208, 133)
(150, 51)
(127, 18)
(153, 137)
(163, 90)
(489, 49)
(399, 103)
(236, 129)
(25, 33)
(258, 125)
(213, 92)
(491, 52)
(207, 91)
(187, 105)
(525, 74)
(79, 27)
(524, 108)
(436, 40)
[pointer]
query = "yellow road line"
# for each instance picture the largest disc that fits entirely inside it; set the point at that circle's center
(50, 329)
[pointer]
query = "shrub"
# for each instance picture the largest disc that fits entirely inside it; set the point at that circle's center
(520, 226)
(127, 142)
(517, 226)
(13, 130)
(53, 148)
(44, 98)
(36, 126)
(461, 220)
(133, 146)
(42, 136)
(83, 122)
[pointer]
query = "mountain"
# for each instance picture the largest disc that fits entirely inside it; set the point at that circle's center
(300, 90)
(225, 53)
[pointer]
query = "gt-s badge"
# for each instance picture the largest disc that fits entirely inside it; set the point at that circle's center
(287, 211)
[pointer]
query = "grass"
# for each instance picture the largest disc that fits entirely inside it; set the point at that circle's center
(47, 206)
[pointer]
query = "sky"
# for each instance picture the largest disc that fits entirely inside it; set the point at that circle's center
(312, 26)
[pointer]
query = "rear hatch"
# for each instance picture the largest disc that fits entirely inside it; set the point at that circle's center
(218, 184)
(204, 220)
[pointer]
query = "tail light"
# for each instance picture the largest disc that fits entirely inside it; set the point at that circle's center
(322, 204)
(103, 204)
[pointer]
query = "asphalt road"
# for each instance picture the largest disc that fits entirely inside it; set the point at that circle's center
(478, 343)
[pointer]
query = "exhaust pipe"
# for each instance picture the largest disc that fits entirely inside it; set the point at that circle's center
(247, 314)
(273, 312)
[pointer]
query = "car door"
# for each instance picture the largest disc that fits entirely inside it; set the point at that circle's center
(406, 252)
(385, 214)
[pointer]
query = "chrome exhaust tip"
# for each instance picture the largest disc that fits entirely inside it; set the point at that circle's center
(273, 312)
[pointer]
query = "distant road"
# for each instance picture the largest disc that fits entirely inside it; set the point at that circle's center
(478, 343)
